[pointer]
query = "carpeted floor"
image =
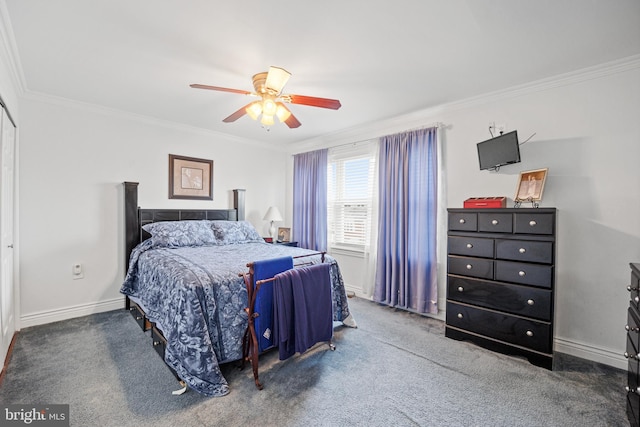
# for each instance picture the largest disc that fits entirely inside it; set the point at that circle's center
(396, 369)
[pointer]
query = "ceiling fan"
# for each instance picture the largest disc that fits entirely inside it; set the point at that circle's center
(268, 87)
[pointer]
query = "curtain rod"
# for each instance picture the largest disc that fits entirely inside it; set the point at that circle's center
(431, 125)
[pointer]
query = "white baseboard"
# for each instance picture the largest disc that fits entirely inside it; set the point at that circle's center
(44, 317)
(608, 357)
(586, 351)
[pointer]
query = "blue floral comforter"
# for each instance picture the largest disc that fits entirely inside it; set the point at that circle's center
(197, 298)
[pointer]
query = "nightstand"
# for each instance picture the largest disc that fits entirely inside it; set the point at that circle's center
(294, 244)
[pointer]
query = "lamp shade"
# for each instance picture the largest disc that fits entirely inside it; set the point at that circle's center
(273, 214)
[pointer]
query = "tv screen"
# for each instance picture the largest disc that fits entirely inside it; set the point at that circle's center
(499, 151)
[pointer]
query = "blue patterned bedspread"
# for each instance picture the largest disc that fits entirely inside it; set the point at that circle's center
(197, 298)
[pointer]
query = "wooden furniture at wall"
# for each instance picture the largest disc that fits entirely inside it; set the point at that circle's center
(633, 348)
(501, 280)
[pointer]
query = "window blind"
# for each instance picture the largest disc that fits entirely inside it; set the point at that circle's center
(350, 187)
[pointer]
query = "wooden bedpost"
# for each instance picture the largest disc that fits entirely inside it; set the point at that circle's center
(238, 202)
(131, 227)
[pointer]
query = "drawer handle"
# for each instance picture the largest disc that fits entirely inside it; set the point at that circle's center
(532, 223)
(529, 333)
(522, 250)
(636, 300)
(521, 273)
(630, 390)
(469, 266)
(469, 245)
(462, 221)
(629, 288)
(626, 327)
(156, 343)
(460, 316)
(494, 222)
(461, 289)
(630, 356)
(138, 317)
(530, 302)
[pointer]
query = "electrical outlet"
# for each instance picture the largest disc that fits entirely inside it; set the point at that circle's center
(77, 272)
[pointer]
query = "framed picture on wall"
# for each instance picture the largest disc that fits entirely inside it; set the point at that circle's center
(190, 178)
(284, 234)
(531, 185)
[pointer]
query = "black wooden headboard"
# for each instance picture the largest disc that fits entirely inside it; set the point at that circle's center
(135, 217)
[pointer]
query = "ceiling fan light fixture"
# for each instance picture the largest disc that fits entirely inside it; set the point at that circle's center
(267, 120)
(269, 107)
(282, 112)
(276, 79)
(254, 110)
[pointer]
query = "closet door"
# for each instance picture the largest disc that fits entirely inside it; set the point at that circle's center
(7, 290)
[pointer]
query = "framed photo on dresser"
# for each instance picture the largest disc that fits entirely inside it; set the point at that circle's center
(531, 185)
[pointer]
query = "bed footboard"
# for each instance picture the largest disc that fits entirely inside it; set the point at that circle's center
(262, 308)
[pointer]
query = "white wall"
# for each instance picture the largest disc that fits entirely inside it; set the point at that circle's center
(586, 129)
(73, 161)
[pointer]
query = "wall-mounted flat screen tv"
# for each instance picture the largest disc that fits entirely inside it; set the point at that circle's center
(499, 151)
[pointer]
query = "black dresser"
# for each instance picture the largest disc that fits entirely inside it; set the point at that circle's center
(633, 347)
(501, 279)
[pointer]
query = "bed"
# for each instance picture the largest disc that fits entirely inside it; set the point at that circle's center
(184, 279)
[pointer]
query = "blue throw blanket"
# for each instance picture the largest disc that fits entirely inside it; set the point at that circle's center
(302, 313)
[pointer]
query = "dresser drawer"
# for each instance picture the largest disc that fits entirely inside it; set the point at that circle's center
(534, 223)
(139, 316)
(515, 299)
(634, 289)
(493, 222)
(527, 333)
(471, 246)
(525, 250)
(158, 341)
(633, 408)
(633, 329)
(524, 273)
(633, 385)
(463, 221)
(474, 267)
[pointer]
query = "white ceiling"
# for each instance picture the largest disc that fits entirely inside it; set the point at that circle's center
(381, 59)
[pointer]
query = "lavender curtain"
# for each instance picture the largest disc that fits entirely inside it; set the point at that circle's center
(310, 200)
(406, 264)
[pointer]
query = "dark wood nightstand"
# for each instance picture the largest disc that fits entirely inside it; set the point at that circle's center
(269, 240)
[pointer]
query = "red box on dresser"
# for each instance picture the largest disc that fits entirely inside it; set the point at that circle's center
(485, 202)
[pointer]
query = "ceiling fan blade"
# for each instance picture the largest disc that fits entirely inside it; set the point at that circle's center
(221, 89)
(333, 104)
(276, 79)
(292, 122)
(235, 116)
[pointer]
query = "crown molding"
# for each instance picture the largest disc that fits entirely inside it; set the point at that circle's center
(421, 118)
(561, 80)
(9, 51)
(140, 118)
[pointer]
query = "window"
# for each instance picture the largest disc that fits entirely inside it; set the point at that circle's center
(350, 189)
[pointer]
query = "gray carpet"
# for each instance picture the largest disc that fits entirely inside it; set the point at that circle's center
(396, 369)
